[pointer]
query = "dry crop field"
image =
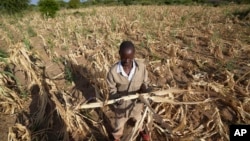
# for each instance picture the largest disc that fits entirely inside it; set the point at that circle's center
(55, 65)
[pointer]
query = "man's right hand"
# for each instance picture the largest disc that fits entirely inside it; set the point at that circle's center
(116, 96)
(119, 102)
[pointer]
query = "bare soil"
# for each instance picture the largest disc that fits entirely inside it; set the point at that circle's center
(6, 121)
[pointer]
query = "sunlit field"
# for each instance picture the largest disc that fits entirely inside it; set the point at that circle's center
(54, 66)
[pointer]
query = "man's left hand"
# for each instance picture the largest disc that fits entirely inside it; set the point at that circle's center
(143, 89)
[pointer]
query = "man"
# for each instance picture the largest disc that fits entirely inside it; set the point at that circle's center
(126, 77)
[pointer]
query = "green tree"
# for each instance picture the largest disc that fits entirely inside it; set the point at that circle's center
(48, 8)
(126, 2)
(99, 1)
(244, 1)
(14, 6)
(62, 4)
(178, 1)
(109, 1)
(74, 3)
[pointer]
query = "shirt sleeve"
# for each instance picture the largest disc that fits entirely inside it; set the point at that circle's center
(111, 84)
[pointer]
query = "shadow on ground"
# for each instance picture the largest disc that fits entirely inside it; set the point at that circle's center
(43, 125)
(83, 91)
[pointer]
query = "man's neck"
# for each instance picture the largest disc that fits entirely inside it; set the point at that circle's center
(127, 69)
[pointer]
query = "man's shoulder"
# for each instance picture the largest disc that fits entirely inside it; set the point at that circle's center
(113, 68)
(140, 62)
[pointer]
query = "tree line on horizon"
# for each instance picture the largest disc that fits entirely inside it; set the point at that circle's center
(149, 2)
(48, 8)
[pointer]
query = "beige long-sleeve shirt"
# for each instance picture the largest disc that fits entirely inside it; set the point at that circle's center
(121, 70)
(119, 85)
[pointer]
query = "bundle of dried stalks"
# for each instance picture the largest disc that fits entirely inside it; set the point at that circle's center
(9, 100)
(48, 106)
(158, 97)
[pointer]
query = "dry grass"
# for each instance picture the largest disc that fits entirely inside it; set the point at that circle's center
(202, 51)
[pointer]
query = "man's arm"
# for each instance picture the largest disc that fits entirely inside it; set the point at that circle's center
(112, 89)
(144, 87)
(111, 84)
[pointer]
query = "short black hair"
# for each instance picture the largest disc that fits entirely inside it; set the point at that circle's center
(126, 45)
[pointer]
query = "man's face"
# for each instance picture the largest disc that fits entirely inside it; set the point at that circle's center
(127, 57)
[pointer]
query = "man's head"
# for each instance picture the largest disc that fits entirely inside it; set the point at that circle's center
(127, 52)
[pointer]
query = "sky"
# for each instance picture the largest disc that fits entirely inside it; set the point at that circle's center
(33, 1)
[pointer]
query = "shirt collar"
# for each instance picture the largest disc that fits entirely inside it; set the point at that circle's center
(121, 70)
